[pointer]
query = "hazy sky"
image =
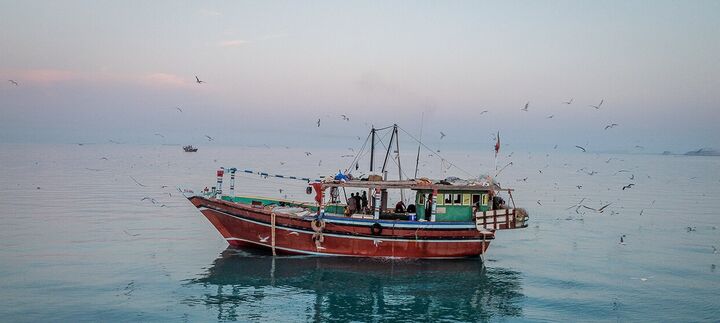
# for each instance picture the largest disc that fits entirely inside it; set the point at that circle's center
(93, 71)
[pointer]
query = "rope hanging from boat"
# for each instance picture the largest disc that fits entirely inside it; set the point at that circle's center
(318, 226)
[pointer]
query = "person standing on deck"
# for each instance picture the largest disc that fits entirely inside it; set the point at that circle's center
(351, 205)
(364, 201)
(358, 203)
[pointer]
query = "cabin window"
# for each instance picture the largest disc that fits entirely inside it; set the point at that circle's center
(485, 199)
(448, 199)
(466, 199)
(421, 199)
(440, 199)
(457, 199)
(475, 199)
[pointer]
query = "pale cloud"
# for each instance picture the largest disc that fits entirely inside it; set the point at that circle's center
(48, 75)
(209, 13)
(164, 79)
(52, 76)
(233, 43)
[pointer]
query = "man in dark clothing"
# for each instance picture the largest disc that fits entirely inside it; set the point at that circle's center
(358, 203)
(400, 207)
(364, 201)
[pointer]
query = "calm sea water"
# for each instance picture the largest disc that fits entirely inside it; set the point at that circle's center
(78, 242)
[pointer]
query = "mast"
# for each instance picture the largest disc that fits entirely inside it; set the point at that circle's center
(417, 159)
(387, 154)
(372, 148)
(397, 146)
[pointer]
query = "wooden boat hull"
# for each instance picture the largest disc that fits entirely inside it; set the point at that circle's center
(248, 226)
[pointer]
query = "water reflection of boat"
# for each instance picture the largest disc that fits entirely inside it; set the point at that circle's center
(358, 289)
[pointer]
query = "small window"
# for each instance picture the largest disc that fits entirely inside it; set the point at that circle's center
(421, 199)
(457, 199)
(485, 199)
(466, 199)
(475, 199)
(448, 199)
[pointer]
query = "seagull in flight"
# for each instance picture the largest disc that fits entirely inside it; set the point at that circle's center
(583, 149)
(483, 111)
(628, 186)
(14, 82)
(345, 117)
(550, 116)
(597, 107)
(178, 108)
(442, 135)
(569, 102)
(601, 209)
(526, 106)
(318, 123)
(198, 81)
(209, 138)
(611, 126)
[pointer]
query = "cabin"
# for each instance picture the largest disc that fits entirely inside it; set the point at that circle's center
(452, 203)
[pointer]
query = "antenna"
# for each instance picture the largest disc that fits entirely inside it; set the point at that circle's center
(417, 160)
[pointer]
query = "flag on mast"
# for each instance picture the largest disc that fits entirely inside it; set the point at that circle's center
(497, 144)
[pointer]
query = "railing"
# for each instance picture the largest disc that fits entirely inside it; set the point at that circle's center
(501, 219)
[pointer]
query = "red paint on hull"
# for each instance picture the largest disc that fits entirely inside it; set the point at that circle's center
(243, 225)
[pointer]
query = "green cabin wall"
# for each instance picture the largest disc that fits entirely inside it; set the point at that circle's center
(453, 212)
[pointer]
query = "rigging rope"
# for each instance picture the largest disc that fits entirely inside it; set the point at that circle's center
(434, 153)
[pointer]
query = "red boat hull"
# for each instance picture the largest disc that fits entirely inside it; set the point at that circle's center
(244, 225)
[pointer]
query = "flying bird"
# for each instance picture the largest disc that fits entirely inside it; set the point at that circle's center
(263, 239)
(599, 105)
(442, 135)
(622, 239)
(583, 149)
(14, 82)
(569, 102)
(603, 207)
(318, 123)
(178, 108)
(132, 235)
(526, 106)
(628, 186)
(209, 138)
(550, 116)
(307, 153)
(345, 117)
(484, 111)
(198, 81)
(611, 126)
(159, 135)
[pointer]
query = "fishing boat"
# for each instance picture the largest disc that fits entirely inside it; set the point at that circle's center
(190, 149)
(450, 218)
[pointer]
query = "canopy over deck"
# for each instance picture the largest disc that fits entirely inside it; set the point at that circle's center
(414, 185)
